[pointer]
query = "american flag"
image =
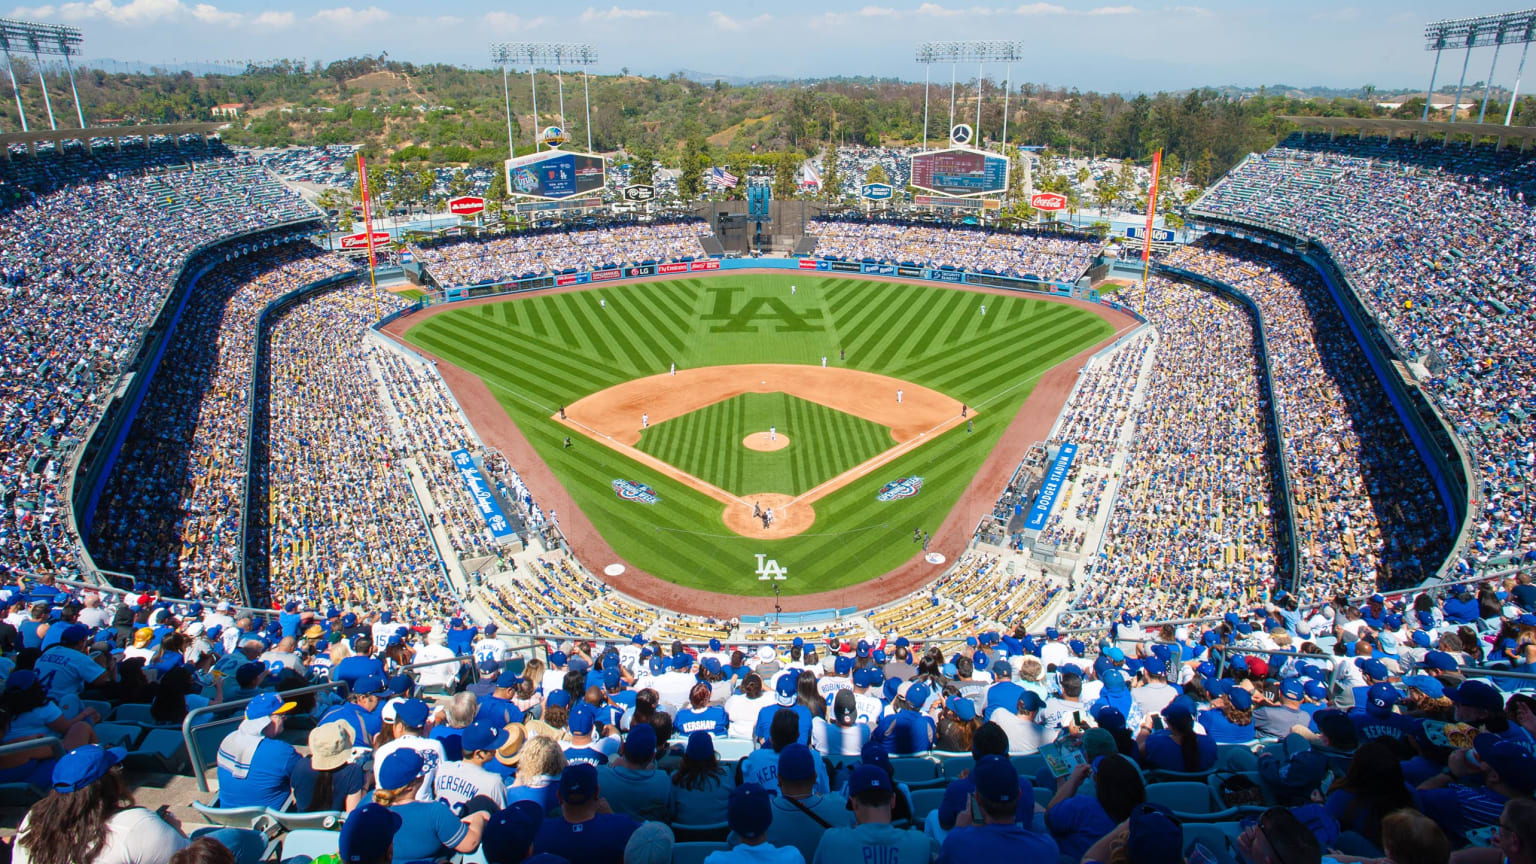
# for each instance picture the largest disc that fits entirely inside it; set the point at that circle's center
(721, 178)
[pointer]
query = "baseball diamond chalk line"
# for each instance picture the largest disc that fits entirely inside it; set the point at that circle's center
(615, 417)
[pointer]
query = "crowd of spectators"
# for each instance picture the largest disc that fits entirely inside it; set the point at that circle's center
(170, 513)
(90, 245)
(1054, 258)
(1194, 529)
(513, 256)
(1376, 728)
(1439, 243)
(1365, 511)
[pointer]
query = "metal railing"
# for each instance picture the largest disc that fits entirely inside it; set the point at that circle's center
(194, 749)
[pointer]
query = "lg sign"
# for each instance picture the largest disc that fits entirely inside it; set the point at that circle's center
(466, 206)
(1049, 201)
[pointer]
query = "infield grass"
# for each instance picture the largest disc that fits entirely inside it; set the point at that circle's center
(824, 442)
(540, 352)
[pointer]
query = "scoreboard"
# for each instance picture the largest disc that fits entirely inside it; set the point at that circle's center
(960, 172)
(554, 174)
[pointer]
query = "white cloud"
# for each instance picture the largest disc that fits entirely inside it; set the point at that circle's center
(346, 16)
(617, 13)
(209, 14)
(1040, 9)
(1191, 11)
(274, 20)
(511, 21)
(877, 11)
(726, 22)
(938, 11)
(132, 12)
(1114, 10)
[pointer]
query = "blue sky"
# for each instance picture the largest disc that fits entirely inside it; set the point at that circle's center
(1121, 45)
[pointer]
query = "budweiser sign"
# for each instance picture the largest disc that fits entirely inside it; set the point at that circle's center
(360, 240)
(1049, 201)
(467, 205)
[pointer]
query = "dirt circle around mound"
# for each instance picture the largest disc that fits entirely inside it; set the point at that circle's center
(788, 519)
(760, 442)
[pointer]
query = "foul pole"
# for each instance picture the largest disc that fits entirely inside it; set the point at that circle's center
(362, 179)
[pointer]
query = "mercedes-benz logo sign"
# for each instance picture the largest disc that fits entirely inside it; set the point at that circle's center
(961, 134)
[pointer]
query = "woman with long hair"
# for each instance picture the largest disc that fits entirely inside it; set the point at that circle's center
(957, 725)
(539, 766)
(700, 716)
(1078, 821)
(89, 818)
(32, 715)
(743, 708)
(329, 779)
(807, 695)
(1373, 788)
(700, 789)
(429, 830)
(1177, 747)
(1230, 717)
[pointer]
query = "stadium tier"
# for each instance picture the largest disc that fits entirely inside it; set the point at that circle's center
(346, 608)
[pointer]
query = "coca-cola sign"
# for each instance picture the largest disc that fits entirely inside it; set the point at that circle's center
(1049, 201)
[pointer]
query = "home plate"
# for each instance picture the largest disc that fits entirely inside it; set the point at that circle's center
(931, 558)
(613, 570)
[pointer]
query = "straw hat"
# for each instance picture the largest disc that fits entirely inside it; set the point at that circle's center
(513, 749)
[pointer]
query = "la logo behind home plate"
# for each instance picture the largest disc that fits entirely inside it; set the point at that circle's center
(769, 568)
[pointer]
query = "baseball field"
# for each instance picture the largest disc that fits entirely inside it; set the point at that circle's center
(677, 412)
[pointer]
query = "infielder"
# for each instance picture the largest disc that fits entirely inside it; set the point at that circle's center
(898, 397)
(773, 433)
(645, 420)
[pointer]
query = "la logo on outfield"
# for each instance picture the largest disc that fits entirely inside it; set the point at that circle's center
(768, 568)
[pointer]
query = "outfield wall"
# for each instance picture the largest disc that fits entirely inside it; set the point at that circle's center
(910, 271)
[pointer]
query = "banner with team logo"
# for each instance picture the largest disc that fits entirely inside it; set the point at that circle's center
(480, 491)
(632, 491)
(896, 490)
(1050, 489)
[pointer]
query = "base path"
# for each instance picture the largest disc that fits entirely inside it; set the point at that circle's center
(1032, 423)
(760, 442)
(790, 517)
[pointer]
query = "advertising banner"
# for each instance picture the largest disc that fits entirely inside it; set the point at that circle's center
(466, 205)
(572, 279)
(880, 269)
(912, 272)
(480, 491)
(807, 263)
(1050, 489)
(960, 172)
(641, 270)
(555, 174)
(845, 266)
(605, 275)
(360, 240)
(707, 264)
(943, 275)
(673, 267)
(1048, 201)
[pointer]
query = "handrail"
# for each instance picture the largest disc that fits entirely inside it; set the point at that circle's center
(194, 751)
(54, 745)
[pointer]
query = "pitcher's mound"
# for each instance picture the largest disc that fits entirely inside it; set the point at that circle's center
(761, 442)
(788, 519)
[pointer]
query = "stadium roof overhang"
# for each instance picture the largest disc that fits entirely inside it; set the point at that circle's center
(1392, 128)
(116, 133)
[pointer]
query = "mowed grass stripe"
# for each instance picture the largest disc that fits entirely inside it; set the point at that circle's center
(578, 313)
(622, 325)
(874, 310)
(670, 333)
(915, 308)
(509, 352)
(873, 327)
(946, 309)
(675, 301)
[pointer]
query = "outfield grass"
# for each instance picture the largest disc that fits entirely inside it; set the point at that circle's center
(537, 353)
(824, 442)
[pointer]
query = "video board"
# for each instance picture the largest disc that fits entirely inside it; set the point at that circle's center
(960, 172)
(555, 174)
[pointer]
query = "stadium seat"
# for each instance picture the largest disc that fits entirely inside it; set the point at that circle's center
(1216, 837)
(125, 735)
(20, 795)
(309, 844)
(1028, 766)
(134, 713)
(329, 820)
(161, 751)
(954, 766)
(695, 853)
(916, 771)
(1236, 757)
(1184, 797)
(924, 801)
(711, 832)
(1043, 796)
(732, 749)
(230, 817)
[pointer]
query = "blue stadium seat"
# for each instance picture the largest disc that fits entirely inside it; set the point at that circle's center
(924, 801)
(1184, 796)
(134, 713)
(695, 853)
(954, 766)
(711, 832)
(310, 844)
(329, 820)
(916, 771)
(161, 751)
(20, 795)
(230, 817)
(125, 735)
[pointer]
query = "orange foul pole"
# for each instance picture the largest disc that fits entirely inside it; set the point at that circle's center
(362, 178)
(1146, 242)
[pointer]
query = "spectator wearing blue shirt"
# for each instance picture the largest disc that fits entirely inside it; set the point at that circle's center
(66, 670)
(787, 694)
(578, 831)
(700, 716)
(872, 838)
(1371, 789)
(497, 707)
(360, 665)
(1177, 747)
(998, 837)
(428, 829)
(762, 765)
(989, 740)
(361, 711)
(1377, 718)
(1508, 771)
(907, 730)
(255, 769)
(368, 835)
(751, 815)
(1230, 717)
(700, 790)
(1116, 693)
(1078, 821)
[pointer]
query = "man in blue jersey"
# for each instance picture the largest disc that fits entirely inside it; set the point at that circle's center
(785, 692)
(361, 711)
(997, 837)
(907, 730)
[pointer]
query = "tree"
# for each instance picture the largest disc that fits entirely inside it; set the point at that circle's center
(642, 164)
(1201, 173)
(458, 184)
(695, 159)
(831, 179)
(785, 171)
(876, 174)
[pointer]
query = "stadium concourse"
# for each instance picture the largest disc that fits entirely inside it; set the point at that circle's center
(1326, 716)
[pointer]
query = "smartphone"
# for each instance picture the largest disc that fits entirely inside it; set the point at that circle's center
(977, 817)
(1157, 721)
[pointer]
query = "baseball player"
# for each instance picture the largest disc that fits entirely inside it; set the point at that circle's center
(645, 420)
(773, 433)
(674, 370)
(898, 397)
(983, 308)
(823, 361)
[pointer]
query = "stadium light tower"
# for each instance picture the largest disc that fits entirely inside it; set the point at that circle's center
(54, 40)
(1508, 28)
(561, 54)
(981, 52)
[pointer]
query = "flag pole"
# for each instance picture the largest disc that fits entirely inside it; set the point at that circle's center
(362, 177)
(1146, 244)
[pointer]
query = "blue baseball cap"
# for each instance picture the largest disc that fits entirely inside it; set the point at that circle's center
(578, 783)
(1154, 666)
(1380, 698)
(1316, 691)
(265, 705)
(1114, 681)
(1154, 836)
(483, 736)
(559, 699)
(797, 763)
(1240, 698)
(582, 719)
(557, 659)
(786, 687)
(509, 833)
(399, 768)
(1031, 701)
(750, 811)
(83, 766)
(1374, 668)
(996, 779)
(1476, 694)
(370, 685)
(701, 747)
(1292, 688)
(640, 743)
(1440, 661)
(412, 712)
(915, 692)
(1109, 717)
(965, 709)
(842, 666)
(1426, 684)
(368, 833)
(507, 680)
(866, 778)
